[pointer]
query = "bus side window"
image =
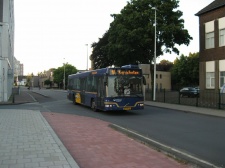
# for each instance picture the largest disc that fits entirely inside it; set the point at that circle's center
(88, 87)
(76, 83)
(94, 84)
(82, 83)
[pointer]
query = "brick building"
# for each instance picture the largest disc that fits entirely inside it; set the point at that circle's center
(212, 46)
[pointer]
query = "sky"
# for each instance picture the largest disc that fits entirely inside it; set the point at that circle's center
(49, 33)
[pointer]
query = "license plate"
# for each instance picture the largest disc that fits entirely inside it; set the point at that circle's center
(127, 108)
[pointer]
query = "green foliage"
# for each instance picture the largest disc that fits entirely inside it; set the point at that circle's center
(99, 54)
(58, 73)
(29, 78)
(164, 65)
(132, 33)
(131, 36)
(47, 82)
(185, 71)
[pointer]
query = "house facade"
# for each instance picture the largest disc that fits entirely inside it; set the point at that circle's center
(212, 46)
(46, 75)
(6, 49)
(163, 78)
(18, 68)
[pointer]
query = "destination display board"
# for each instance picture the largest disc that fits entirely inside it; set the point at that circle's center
(125, 72)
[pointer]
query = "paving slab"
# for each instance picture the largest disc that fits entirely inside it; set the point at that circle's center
(27, 141)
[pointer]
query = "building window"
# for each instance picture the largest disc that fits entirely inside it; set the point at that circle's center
(210, 80)
(209, 35)
(221, 31)
(222, 78)
(160, 76)
(222, 37)
(221, 73)
(209, 43)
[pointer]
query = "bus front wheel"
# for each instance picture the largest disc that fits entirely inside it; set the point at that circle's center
(93, 106)
(74, 100)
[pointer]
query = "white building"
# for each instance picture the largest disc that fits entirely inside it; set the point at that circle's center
(18, 68)
(6, 48)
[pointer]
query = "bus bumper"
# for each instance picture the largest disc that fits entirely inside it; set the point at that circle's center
(113, 107)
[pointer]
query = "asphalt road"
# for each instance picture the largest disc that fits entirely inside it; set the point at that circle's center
(198, 135)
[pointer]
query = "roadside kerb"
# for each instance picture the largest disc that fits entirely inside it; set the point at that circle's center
(176, 154)
(40, 93)
(191, 109)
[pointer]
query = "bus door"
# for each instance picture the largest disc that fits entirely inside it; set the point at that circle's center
(82, 93)
(100, 93)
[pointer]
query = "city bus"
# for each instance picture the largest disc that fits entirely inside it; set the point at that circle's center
(108, 89)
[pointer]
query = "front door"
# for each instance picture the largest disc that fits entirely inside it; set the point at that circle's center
(100, 93)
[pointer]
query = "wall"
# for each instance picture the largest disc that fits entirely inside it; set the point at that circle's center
(6, 48)
(213, 54)
(163, 78)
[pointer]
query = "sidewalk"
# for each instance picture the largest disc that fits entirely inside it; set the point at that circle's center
(192, 109)
(28, 140)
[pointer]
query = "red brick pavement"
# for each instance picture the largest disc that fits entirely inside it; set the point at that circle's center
(95, 145)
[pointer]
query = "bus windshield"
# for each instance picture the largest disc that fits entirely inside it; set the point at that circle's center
(125, 85)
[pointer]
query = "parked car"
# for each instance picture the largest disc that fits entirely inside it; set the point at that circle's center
(189, 92)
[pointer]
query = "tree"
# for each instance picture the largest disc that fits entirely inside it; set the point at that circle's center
(131, 35)
(99, 54)
(29, 79)
(58, 73)
(164, 65)
(185, 71)
(48, 82)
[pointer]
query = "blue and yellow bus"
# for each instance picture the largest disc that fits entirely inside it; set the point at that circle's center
(108, 89)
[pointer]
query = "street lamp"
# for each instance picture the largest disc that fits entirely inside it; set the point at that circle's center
(154, 85)
(87, 55)
(64, 80)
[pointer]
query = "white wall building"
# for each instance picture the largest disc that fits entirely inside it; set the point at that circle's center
(18, 68)
(6, 48)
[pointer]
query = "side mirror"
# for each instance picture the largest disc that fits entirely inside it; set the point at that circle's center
(144, 80)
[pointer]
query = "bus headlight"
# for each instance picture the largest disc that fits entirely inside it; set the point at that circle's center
(141, 104)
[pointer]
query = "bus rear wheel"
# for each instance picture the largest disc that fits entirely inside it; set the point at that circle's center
(93, 106)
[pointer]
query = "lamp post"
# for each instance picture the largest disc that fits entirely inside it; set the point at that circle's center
(64, 80)
(87, 55)
(154, 85)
